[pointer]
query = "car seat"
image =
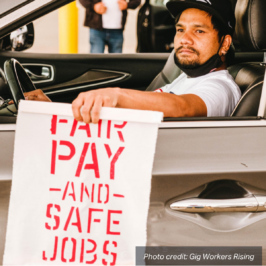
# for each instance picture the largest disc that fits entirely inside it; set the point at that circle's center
(250, 30)
(250, 21)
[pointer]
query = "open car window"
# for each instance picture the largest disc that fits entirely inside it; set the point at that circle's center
(75, 76)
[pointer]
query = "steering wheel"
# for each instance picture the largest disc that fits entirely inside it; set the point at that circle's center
(18, 80)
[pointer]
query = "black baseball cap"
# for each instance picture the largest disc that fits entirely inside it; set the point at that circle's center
(221, 9)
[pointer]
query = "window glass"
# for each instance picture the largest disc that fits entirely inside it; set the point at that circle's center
(47, 32)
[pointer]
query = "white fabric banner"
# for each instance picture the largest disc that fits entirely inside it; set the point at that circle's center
(80, 193)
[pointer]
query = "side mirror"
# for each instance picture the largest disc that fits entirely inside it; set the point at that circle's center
(18, 40)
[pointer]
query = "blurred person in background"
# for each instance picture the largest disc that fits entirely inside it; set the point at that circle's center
(106, 20)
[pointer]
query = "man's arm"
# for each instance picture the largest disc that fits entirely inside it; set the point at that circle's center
(99, 7)
(132, 4)
(36, 95)
(87, 3)
(171, 105)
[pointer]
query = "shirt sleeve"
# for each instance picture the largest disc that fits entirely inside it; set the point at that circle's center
(219, 98)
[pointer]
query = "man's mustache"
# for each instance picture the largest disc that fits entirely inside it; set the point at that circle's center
(189, 48)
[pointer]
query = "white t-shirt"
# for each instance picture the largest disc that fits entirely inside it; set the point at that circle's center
(217, 89)
(112, 18)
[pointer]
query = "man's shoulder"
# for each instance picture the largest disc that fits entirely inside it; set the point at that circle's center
(222, 78)
(221, 74)
(222, 83)
(215, 82)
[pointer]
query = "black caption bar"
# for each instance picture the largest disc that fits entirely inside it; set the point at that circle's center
(198, 255)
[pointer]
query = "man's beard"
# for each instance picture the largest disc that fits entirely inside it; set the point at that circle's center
(193, 69)
(185, 63)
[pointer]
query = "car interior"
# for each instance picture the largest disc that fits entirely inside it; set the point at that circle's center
(248, 76)
(69, 75)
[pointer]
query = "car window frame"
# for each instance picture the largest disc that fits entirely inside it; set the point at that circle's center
(32, 15)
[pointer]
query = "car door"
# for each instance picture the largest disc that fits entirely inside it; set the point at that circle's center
(203, 161)
(68, 75)
(198, 159)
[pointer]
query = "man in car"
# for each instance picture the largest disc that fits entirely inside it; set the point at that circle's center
(204, 30)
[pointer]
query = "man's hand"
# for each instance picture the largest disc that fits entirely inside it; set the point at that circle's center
(36, 95)
(122, 4)
(92, 103)
(100, 8)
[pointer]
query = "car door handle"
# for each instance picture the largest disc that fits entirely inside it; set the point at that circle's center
(44, 76)
(45, 72)
(254, 203)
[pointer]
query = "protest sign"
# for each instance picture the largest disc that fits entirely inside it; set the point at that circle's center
(80, 192)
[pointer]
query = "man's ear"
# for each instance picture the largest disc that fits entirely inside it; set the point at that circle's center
(225, 45)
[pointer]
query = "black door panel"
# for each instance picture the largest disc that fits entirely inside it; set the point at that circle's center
(134, 71)
(90, 78)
